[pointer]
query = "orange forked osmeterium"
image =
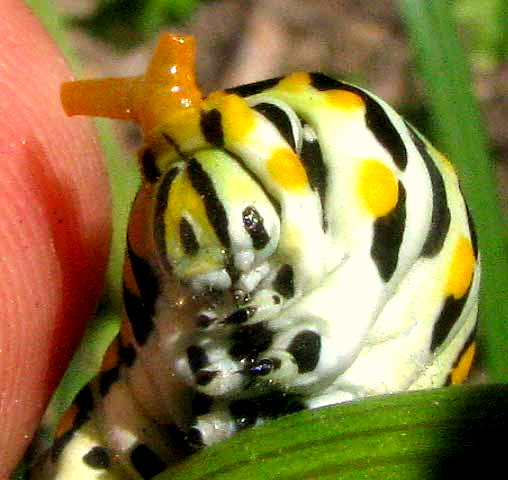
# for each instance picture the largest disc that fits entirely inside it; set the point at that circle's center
(164, 95)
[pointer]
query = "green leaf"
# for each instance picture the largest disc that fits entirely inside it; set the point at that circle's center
(461, 135)
(420, 435)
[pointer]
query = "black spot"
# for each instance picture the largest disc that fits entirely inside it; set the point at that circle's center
(440, 220)
(450, 313)
(127, 354)
(97, 458)
(188, 238)
(149, 168)
(204, 377)
(240, 316)
(280, 120)
(250, 340)
(215, 211)
(388, 234)
(306, 348)
(283, 283)
(253, 223)
(139, 317)
(197, 358)
(317, 172)
(201, 404)
(376, 117)
(146, 278)
(107, 379)
(254, 88)
(159, 226)
(244, 413)
(146, 462)
(211, 126)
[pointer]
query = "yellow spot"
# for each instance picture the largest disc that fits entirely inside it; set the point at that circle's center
(461, 370)
(461, 269)
(183, 198)
(344, 99)
(237, 117)
(295, 82)
(286, 169)
(378, 187)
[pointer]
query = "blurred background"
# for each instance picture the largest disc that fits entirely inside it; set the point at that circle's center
(385, 46)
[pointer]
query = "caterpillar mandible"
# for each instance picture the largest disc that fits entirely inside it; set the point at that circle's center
(295, 243)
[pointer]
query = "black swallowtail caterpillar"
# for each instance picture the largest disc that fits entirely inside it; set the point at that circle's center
(294, 244)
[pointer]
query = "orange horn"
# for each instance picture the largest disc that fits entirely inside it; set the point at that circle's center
(166, 93)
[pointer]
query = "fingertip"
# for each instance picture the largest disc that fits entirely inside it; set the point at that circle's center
(54, 227)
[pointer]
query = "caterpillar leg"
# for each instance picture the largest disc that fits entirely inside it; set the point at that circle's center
(224, 418)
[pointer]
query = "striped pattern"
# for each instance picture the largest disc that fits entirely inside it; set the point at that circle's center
(287, 224)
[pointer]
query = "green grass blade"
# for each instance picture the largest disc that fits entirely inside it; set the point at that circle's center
(421, 435)
(460, 132)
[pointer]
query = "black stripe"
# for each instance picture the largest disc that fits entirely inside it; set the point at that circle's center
(376, 118)
(215, 211)
(146, 279)
(126, 354)
(84, 403)
(197, 358)
(211, 126)
(469, 341)
(450, 313)
(59, 444)
(139, 318)
(472, 232)
(280, 120)
(275, 203)
(253, 223)
(106, 379)
(149, 169)
(254, 88)
(388, 234)
(159, 227)
(146, 462)
(317, 172)
(440, 220)
(188, 238)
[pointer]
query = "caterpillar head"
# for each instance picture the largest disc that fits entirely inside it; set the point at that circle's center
(213, 223)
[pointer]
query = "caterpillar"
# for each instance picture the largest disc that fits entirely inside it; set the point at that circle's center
(295, 243)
